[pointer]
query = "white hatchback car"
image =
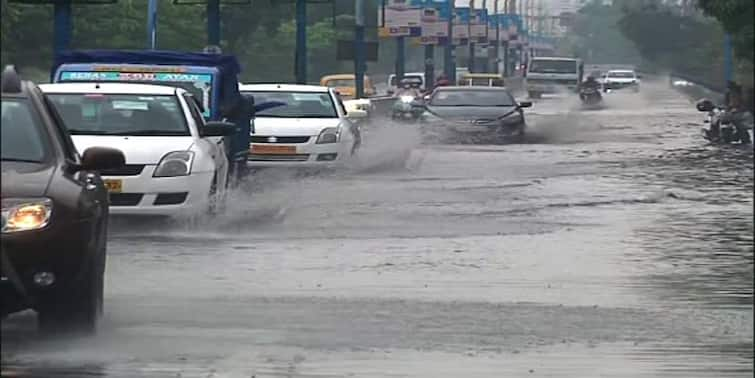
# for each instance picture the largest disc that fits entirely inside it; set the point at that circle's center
(175, 163)
(309, 128)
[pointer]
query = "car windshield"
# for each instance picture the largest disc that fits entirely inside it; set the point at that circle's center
(296, 104)
(414, 79)
(553, 66)
(121, 114)
(621, 75)
(472, 98)
(22, 136)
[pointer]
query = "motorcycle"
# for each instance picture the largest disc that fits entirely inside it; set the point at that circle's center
(590, 96)
(404, 109)
(725, 127)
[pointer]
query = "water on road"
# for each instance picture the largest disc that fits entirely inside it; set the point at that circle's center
(612, 243)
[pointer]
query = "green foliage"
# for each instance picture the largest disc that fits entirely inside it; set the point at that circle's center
(736, 17)
(596, 37)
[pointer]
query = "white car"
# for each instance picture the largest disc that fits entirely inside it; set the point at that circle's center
(618, 79)
(309, 128)
(175, 163)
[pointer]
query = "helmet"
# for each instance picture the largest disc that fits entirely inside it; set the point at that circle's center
(405, 83)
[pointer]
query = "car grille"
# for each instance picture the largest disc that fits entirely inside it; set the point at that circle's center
(125, 199)
(281, 140)
(296, 157)
(126, 170)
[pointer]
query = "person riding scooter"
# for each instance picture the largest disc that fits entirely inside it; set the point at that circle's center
(589, 87)
(735, 112)
(407, 94)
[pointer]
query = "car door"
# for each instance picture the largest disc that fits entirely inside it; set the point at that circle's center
(352, 128)
(215, 145)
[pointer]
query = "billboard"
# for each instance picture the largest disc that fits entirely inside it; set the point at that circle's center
(401, 18)
(478, 28)
(461, 18)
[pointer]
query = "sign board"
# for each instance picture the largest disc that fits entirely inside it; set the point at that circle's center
(478, 28)
(401, 18)
(461, 19)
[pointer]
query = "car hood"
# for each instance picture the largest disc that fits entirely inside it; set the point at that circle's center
(25, 179)
(292, 126)
(136, 149)
(462, 113)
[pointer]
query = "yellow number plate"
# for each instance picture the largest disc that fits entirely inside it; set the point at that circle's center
(262, 149)
(114, 186)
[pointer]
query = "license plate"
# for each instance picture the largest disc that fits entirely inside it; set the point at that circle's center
(114, 186)
(265, 149)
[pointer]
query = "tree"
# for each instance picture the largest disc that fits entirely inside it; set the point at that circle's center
(736, 17)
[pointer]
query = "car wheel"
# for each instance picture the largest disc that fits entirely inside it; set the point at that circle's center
(216, 199)
(79, 307)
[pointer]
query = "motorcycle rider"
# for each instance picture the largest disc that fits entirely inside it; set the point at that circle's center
(736, 113)
(589, 83)
(406, 88)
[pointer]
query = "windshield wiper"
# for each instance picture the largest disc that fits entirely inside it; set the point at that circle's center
(21, 160)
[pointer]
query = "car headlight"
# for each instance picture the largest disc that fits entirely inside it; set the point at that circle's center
(329, 135)
(25, 214)
(176, 163)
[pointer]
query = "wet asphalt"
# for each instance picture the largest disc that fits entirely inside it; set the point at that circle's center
(613, 242)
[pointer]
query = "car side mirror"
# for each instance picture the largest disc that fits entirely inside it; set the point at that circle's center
(525, 104)
(356, 114)
(101, 158)
(218, 129)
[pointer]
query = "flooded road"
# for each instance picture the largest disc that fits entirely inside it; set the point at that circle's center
(612, 243)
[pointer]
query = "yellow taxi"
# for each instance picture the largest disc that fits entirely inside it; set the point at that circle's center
(345, 85)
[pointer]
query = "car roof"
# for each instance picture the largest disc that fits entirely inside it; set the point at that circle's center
(340, 77)
(627, 71)
(410, 74)
(472, 88)
(552, 58)
(283, 88)
(108, 88)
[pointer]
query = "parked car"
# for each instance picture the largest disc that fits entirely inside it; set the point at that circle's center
(176, 163)
(310, 129)
(54, 214)
(453, 113)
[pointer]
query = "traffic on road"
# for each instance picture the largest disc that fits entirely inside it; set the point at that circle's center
(163, 217)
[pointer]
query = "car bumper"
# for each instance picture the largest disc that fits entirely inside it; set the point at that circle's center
(304, 155)
(61, 249)
(165, 196)
(619, 85)
(550, 88)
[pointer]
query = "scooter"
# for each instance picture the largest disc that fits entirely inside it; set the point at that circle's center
(403, 109)
(590, 96)
(722, 129)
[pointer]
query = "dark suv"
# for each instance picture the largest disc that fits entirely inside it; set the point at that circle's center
(55, 214)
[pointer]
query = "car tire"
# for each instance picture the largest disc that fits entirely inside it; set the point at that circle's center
(78, 308)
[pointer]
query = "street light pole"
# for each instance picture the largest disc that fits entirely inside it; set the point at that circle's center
(359, 53)
(62, 25)
(728, 59)
(301, 42)
(152, 24)
(213, 22)
(470, 58)
(449, 56)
